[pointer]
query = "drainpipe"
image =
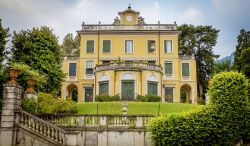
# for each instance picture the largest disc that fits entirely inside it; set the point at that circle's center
(114, 80)
(98, 39)
(141, 81)
(159, 43)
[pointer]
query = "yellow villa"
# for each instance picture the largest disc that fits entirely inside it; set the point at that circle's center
(130, 58)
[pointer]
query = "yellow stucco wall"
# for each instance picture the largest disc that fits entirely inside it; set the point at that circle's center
(140, 51)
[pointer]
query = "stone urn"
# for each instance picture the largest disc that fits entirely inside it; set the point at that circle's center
(13, 75)
(124, 108)
(31, 84)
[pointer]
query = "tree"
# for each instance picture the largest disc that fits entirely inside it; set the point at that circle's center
(242, 53)
(4, 34)
(70, 45)
(39, 49)
(199, 41)
(220, 66)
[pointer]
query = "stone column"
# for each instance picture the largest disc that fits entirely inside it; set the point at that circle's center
(11, 103)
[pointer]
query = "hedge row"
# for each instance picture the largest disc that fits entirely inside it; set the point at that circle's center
(107, 98)
(224, 121)
(148, 98)
(47, 104)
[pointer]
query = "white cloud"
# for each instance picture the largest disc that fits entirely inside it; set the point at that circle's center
(151, 14)
(192, 15)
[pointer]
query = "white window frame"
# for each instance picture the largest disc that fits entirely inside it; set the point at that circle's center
(89, 75)
(132, 46)
(155, 46)
(86, 47)
(186, 77)
(165, 46)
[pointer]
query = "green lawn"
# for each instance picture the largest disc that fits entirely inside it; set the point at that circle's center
(134, 107)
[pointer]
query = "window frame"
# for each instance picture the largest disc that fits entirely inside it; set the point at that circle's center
(86, 49)
(165, 88)
(164, 47)
(103, 82)
(188, 69)
(109, 48)
(153, 82)
(89, 68)
(154, 52)
(75, 70)
(125, 45)
(171, 67)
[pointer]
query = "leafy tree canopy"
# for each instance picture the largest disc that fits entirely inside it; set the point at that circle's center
(220, 66)
(242, 53)
(39, 49)
(70, 45)
(199, 41)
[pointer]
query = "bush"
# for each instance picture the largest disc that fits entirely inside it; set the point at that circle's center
(141, 98)
(47, 104)
(107, 98)
(29, 105)
(222, 122)
(148, 98)
(153, 98)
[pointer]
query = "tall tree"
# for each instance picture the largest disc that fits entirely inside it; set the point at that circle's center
(70, 45)
(242, 53)
(199, 41)
(39, 49)
(4, 34)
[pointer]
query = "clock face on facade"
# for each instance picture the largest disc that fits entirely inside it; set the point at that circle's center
(129, 18)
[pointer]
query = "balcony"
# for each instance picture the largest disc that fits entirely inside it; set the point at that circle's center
(98, 27)
(186, 57)
(128, 67)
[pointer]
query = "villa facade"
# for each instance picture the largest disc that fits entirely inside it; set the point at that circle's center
(130, 58)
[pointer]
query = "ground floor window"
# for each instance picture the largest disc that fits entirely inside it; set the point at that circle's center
(152, 88)
(169, 94)
(128, 89)
(104, 88)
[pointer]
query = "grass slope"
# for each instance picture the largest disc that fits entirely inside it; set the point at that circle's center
(134, 108)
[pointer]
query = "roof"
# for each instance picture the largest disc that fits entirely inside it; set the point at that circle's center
(129, 10)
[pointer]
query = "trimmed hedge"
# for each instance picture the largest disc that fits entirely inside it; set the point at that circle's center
(224, 121)
(107, 98)
(148, 98)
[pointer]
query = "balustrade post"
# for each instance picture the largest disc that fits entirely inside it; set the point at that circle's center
(139, 122)
(103, 121)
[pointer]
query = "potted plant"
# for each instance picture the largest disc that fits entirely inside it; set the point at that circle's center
(13, 75)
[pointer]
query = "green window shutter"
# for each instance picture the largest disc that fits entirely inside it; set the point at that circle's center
(72, 69)
(185, 69)
(90, 46)
(103, 88)
(168, 68)
(152, 88)
(106, 46)
(169, 94)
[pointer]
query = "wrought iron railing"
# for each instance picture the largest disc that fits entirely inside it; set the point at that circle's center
(128, 66)
(95, 120)
(93, 27)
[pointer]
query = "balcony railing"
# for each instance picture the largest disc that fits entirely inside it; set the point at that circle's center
(93, 27)
(128, 66)
(186, 57)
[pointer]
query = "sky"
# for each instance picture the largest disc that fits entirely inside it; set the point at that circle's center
(66, 16)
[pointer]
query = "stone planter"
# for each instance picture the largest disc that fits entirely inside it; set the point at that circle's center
(31, 84)
(13, 75)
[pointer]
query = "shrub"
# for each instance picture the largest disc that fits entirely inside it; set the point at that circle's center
(153, 98)
(222, 122)
(141, 98)
(29, 105)
(107, 98)
(67, 106)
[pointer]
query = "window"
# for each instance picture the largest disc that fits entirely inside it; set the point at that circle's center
(151, 62)
(129, 46)
(185, 69)
(168, 68)
(152, 88)
(151, 46)
(169, 94)
(104, 88)
(106, 62)
(72, 69)
(89, 67)
(167, 46)
(90, 46)
(106, 46)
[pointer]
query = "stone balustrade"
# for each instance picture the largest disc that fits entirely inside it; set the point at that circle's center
(128, 66)
(96, 120)
(94, 27)
(33, 123)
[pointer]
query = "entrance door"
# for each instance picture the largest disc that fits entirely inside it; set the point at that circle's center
(128, 90)
(88, 94)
